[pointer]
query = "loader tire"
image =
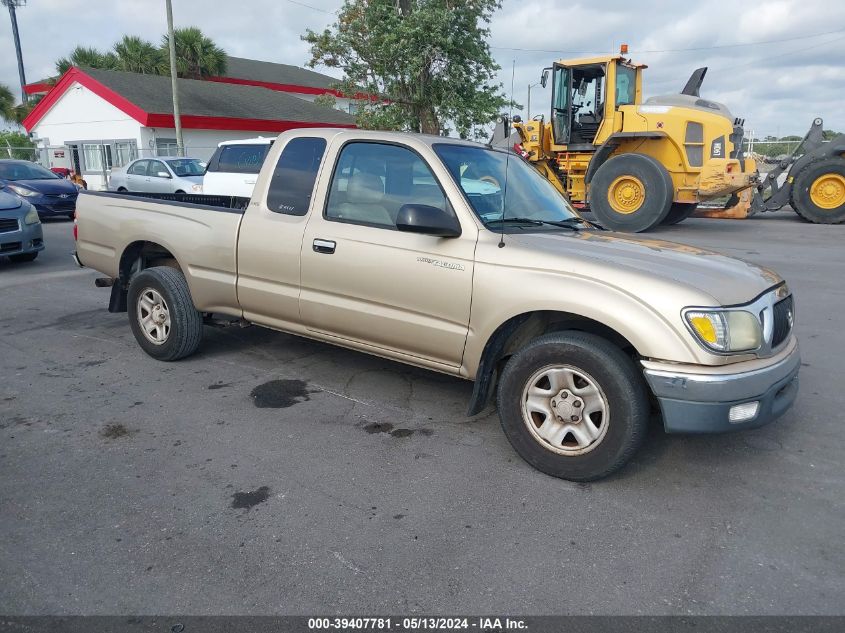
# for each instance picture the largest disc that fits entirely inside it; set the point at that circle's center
(679, 211)
(631, 192)
(818, 192)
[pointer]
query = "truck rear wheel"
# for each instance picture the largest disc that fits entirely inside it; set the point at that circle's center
(162, 315)
(631, 192)
(818, 193)
(573, 405)
(678, 212)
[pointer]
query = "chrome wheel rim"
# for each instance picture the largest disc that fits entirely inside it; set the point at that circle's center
(153, 316)
(565, 410)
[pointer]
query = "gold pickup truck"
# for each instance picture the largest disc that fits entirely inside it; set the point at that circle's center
(462, 259)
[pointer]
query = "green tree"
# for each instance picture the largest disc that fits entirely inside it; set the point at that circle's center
(16, 145)
(427, 62)
(197, 55)
(327, 100)
(87, 56)
(135, 55)
(7, 103)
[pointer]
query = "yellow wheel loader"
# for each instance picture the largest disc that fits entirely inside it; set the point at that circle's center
(635, 164)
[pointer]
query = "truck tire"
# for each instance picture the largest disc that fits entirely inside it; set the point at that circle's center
(818, 191)
(678, 212)
(573, 405)
(631, 192)
(162, 315)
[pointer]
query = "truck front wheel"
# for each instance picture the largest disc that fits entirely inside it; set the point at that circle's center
(573, 405)
(162, 315)
(631, 192)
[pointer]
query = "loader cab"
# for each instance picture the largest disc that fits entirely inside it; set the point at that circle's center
(586, 96)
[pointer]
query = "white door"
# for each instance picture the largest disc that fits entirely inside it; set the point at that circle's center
(159, 178)
(136, 176)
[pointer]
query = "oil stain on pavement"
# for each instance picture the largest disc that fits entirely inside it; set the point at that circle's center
(280, 394)
(246, 500)
(387, 427)
(114, 431)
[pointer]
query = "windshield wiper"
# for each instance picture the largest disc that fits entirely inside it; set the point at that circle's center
(568, 223)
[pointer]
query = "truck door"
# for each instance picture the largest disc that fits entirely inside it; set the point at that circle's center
(561, 106)
(366, 283)
(270, 237)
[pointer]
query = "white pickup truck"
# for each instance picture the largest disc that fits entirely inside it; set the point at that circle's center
(462, 259)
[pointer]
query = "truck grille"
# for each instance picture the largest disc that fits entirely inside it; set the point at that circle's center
(8, 224)
(784, 316)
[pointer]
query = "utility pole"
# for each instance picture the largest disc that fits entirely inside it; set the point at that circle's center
(13, 5)
(177, 121)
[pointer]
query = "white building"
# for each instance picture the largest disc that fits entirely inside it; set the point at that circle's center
(93, 120)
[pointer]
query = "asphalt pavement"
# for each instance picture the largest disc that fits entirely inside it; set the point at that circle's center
(274, 475)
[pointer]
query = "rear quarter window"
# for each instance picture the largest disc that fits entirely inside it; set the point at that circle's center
(239, 159)
(292, 184)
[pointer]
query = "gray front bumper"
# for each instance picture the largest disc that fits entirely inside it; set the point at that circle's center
(701, 403)
(27, 239)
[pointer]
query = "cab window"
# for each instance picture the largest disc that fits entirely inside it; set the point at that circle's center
(372, 181)
(626, 85)
(292, 183)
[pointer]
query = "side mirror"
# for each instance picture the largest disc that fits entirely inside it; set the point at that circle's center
(544, 77)
(428, 220)
(163, 174)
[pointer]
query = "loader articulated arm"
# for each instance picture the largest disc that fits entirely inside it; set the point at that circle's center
(770, 195)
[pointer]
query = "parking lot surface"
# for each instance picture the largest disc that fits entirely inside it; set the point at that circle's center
(274, 475)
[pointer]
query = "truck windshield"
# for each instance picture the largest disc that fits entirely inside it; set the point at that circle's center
(480, 173)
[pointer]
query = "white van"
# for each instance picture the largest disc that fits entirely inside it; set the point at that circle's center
(234, 167)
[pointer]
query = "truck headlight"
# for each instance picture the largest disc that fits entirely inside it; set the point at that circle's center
(726, 330)
(31, 216)
(22, 191)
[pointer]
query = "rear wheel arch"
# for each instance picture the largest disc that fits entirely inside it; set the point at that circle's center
(520, 330)
(138, 256)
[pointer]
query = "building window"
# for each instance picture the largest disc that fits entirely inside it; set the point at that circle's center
(166, 147)
(352, 108)
(92, 156)
(124, 153)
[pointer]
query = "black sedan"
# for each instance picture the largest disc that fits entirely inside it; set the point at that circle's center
(49, 194)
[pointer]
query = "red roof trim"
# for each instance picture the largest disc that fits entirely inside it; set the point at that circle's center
(305, 90)
(62, 86)
(159, 120)
(197, 122)
(37, 88)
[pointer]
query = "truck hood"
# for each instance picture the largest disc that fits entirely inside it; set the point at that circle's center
(730, 281)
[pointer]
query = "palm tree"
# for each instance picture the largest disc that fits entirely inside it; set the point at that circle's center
(87, 56)
(135, 55)
(7, 103)
(197, 56)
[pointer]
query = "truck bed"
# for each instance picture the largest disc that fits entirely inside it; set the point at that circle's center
(202, 238)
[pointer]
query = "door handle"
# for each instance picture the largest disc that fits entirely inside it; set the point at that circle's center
(324, 246)
(249, 182)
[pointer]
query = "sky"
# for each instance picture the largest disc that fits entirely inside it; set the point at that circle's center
(776, 63)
